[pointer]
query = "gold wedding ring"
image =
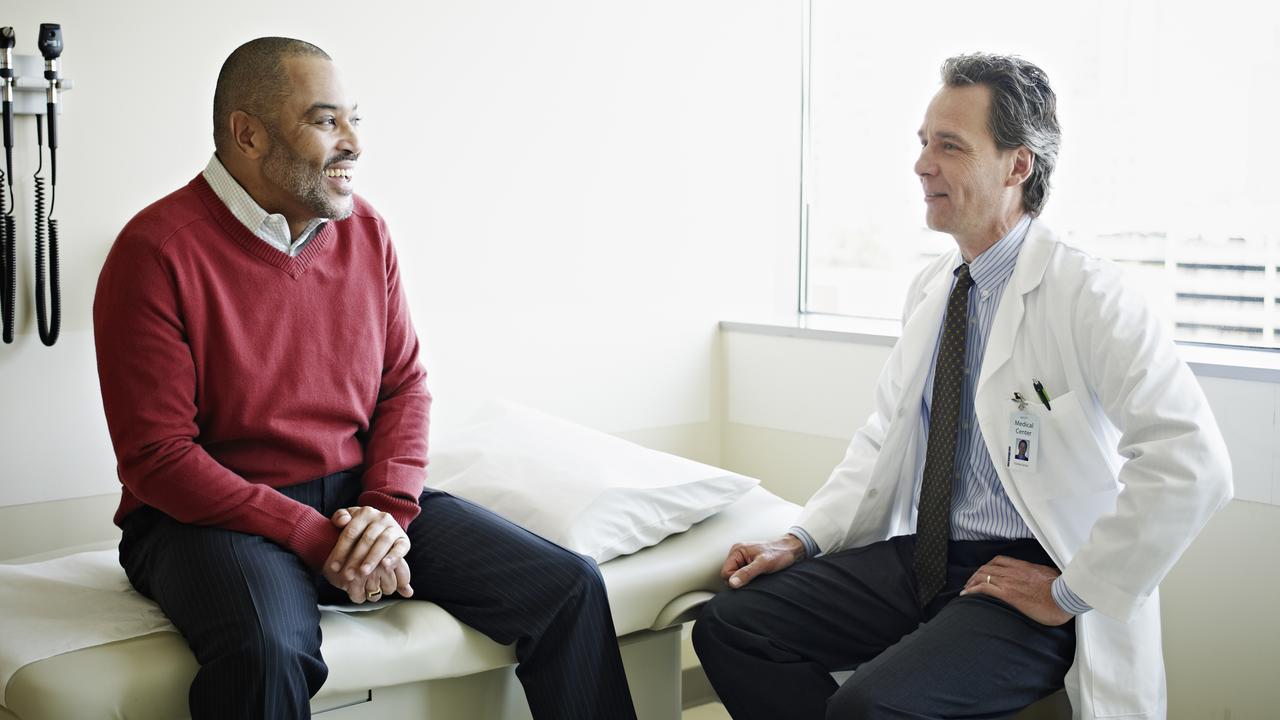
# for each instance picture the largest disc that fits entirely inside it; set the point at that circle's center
(374, 595)
(988, 582)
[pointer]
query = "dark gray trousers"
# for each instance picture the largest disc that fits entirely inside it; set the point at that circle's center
(248, 607)
(770, 647)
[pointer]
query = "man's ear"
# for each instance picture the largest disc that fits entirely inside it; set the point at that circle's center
(1024, 161)
(248, 135)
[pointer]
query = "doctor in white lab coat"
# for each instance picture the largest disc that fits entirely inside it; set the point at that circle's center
(1126, 466)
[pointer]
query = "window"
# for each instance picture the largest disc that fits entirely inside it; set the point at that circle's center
(1170, 161)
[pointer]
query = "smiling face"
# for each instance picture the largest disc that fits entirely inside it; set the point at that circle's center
(971, 186)
(313, 149)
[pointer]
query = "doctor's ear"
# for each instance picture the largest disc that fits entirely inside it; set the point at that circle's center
(1024, 161)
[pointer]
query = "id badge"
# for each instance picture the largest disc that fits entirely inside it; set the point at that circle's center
(1024, 440)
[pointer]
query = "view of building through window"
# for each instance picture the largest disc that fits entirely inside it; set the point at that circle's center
(1170, 163)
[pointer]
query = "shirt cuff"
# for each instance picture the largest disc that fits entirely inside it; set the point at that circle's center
(1068, 601)
(811, 549)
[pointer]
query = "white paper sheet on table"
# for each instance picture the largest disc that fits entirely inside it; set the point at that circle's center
(77, 601)
(73, 602)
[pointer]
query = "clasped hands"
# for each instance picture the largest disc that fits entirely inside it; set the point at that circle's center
(368, 560)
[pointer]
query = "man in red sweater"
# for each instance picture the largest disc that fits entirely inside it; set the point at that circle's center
(269, 414)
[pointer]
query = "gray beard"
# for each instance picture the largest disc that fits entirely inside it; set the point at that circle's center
(290, 172)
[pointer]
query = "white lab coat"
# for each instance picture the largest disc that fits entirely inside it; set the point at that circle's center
(1131, 461)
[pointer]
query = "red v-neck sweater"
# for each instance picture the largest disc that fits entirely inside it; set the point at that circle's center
(229, 368)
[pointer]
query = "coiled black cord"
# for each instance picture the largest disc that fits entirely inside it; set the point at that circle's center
(48, 329)
(8, 262)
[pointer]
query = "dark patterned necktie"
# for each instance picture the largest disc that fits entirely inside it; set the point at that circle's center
(933, 521)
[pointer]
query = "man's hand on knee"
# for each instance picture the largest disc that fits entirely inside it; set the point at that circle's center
(370, 539)
(1026, 586)
(748, 560)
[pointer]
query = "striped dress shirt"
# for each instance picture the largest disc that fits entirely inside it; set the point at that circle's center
(980, 508)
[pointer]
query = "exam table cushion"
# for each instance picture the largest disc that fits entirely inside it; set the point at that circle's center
(148, 677)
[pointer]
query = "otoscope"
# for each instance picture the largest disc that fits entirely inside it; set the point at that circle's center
(7, 41)
(50, 44)
(8, 229)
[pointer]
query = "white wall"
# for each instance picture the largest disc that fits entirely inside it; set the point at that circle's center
(579, 190)
(791, 405)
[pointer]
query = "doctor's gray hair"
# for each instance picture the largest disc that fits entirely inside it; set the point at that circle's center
(1024, 111)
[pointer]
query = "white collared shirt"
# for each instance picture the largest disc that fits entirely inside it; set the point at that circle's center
(272, 228)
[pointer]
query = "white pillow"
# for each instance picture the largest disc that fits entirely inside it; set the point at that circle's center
(588, 491)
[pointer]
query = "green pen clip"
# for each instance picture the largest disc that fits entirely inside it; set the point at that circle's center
(1040, 393)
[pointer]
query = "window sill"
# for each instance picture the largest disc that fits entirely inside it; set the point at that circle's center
(815, 326)
(1233, 363)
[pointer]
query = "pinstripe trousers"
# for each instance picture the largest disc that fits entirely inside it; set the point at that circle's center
(248, 608)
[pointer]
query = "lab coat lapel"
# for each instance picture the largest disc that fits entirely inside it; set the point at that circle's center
(920, 334)
(1033, 258)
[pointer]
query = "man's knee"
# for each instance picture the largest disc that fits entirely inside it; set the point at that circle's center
(579, 578)
(859, 700)
(265, 644)
(725, 616)
(566, 583)
(709, 622)
(704, 636)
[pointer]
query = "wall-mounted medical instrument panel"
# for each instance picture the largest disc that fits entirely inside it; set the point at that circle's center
(31, 85)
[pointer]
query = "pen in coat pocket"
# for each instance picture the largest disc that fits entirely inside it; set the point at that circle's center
(1044, 396)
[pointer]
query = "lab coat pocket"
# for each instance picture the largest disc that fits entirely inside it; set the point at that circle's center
(1071, 461)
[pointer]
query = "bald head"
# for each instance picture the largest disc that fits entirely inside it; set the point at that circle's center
(254, 79)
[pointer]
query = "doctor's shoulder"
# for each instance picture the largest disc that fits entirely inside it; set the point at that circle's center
(1102, 299)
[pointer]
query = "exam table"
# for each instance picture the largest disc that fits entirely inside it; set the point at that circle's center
(411, 659)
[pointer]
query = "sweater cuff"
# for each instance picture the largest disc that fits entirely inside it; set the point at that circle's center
(811, 549)
(312, 539)
(1068, 601)
(404, 510)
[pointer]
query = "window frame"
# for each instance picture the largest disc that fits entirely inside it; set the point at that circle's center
(1215, 359)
